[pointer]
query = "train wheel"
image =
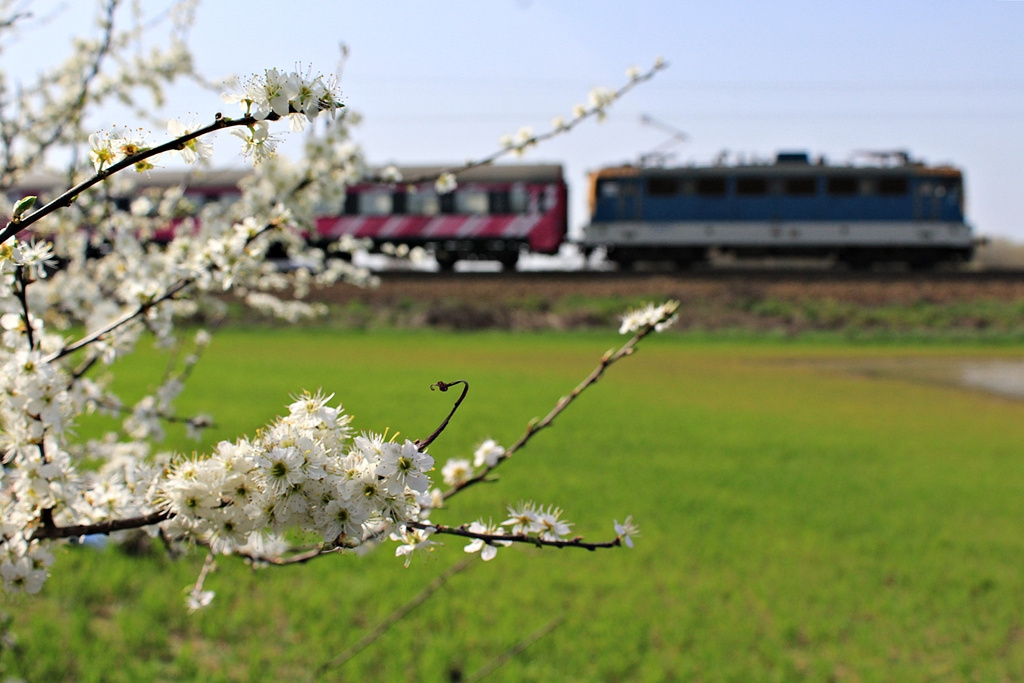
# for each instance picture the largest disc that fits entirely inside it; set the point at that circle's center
(688, 259)
(857, 261)
(508, 260)
(445, 260)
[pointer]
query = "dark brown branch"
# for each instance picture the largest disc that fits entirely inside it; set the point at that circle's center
(494, 539)
(67, 198)
(22, 295)
(531, 141)
(109, 527)
(301, 557)
(445, 386)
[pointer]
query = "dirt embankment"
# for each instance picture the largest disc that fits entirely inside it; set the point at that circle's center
(789, 303)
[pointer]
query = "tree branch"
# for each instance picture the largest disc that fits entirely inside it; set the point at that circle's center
(393, 618)
(462, 531)
(537, 425)
(109, 527)
(445, 386)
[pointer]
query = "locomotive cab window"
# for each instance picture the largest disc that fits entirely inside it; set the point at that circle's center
(843, 186)
(713, 186)
(608, 188)
(801, 186)
(751, 187)
(893, 186)
(662, 187)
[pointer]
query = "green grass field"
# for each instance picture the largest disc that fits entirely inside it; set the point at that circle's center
(799, 522)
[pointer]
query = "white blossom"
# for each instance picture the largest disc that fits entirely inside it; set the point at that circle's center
(192, 150)
(626, 531)
(659, 317)
(488, 549)
(488, 453)
(456, 471)
(445, 183)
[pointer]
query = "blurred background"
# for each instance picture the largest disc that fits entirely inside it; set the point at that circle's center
(443, 81)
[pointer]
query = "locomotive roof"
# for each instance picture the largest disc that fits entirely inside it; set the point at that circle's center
(783, 166)
(494, 173)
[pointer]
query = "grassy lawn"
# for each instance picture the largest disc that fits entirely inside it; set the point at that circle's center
(799, 522)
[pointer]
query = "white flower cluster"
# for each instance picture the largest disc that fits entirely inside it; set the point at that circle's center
(106, 149)
(599, 99)
(302, 473)
(35, 257)
(525, 519)
(192, 150)
(299, 98)
(292, 94)
(445, 183)
(658, 317)
(36, 471)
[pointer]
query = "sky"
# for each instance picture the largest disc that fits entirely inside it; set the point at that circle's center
(442, 81)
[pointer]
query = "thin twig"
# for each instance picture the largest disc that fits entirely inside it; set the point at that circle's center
(393, 618)
(22, 295)
(220, 122)
(126, 318)
(462, 531)
(520, 147)
(515, 650)
(537, 425)
(444, 386)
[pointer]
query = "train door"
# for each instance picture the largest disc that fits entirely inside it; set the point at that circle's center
(928, 200)
(630, 201)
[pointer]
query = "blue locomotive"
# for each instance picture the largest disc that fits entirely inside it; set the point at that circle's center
(891, 210)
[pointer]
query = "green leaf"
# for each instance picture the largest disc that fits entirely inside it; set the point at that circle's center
(23, 205)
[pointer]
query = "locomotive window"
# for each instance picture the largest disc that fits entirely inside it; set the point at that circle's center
(351, 204)
(471, 201)
(843, 185)
(422, 203)
(751, 187)
(608, 188)
(499, 201)
(375, 203)
(542, 202)
(802, 186)
(711, 187)
(519, 199)
(447, 202)
(662, 187)
(892, 186)
(399, 202)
